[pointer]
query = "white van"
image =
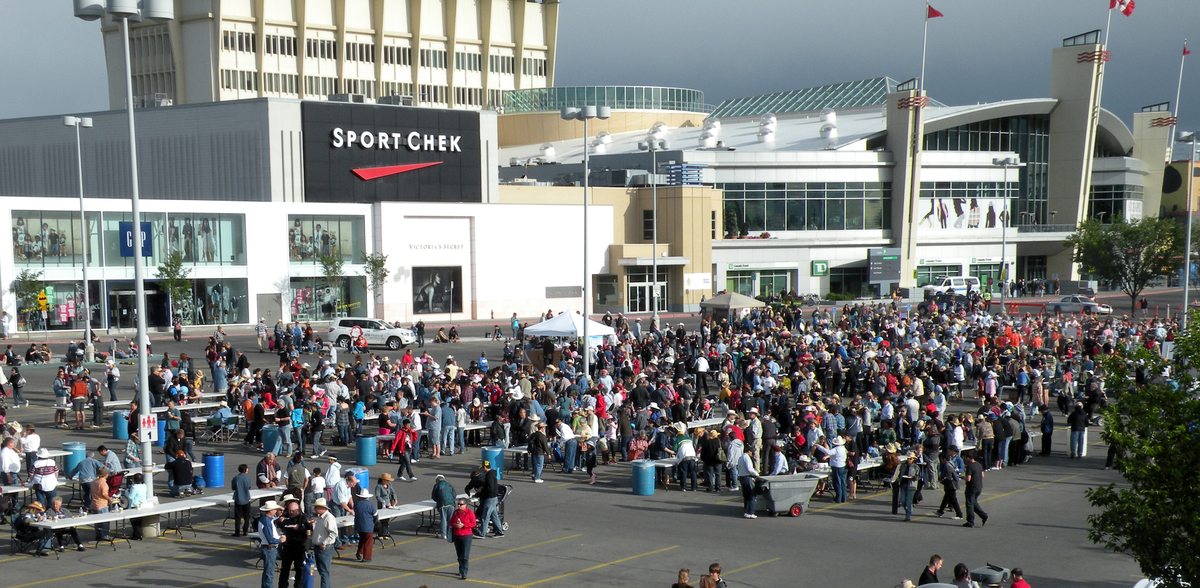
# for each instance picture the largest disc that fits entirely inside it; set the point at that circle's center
(960, 284)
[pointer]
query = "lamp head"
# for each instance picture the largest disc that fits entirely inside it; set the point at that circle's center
(70, 121)
(569, 113)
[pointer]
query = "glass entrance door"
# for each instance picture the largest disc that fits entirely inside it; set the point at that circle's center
(639, 298)
(122, 310)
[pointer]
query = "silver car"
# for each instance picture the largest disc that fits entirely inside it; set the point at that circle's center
(342, 331)
(1078, 303)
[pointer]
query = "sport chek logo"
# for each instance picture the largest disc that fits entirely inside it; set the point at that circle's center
(372, 173)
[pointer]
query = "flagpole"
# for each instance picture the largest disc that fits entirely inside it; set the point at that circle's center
(1108, 26)
(924, 45)
(1178, 89)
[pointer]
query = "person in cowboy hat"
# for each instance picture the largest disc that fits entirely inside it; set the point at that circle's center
(269, 540)
(324, 537)
(364, 524)
(385, 497)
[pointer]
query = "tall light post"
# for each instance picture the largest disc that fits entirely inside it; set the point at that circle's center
(1187, 137)
(654, 146)
(1005, 163)
(89, 349)
(124, 11)
(585, 114)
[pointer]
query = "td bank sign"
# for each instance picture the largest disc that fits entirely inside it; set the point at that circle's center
(340, 138)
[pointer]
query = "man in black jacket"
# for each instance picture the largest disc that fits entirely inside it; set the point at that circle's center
(489, 501)
(539, 448)
(291, 554)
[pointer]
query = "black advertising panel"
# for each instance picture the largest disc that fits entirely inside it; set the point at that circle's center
(383, 153)
(884, 265)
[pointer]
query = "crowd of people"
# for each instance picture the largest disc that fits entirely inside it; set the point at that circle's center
(938, 398)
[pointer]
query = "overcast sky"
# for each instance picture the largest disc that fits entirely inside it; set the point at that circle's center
(981, 51)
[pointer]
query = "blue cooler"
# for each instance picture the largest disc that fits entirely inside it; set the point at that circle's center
(214, 470)
(78, 451)
(120, 420)
(271, 439)
(162, 432)
(364, 477)
(365, 450)
(643, 477)
(496, 456)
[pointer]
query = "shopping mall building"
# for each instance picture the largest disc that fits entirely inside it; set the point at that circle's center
(853, 188)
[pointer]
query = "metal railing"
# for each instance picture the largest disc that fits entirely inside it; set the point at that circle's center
(1061, 228)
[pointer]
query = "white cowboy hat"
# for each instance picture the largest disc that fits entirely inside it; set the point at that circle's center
(269, 506)
(838, 440)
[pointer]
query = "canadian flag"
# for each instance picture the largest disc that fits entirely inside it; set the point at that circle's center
(1126, 6)
(932, 12)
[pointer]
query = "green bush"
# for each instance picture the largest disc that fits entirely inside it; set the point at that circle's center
(840, 297)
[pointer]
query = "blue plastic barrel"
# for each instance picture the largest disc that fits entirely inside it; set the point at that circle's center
(365, 450)
(271, 439)
(120, 424)
(364, 478)
(643, 477)
(495, 455)
(162, 431)
(78, 451)
(214, 470)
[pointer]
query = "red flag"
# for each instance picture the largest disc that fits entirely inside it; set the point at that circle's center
(1185, 49)
(1126, 6)
(932, 13)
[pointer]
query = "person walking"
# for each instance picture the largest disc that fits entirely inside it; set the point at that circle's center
(747, 474)
(324, 536)
(1078, 421)
(906, 475)
(948, 476)
(364, 524)
(462, 525)
(539, 448)
(974, 479)
(443, 501)
(1047, 429)
(260, 331)
(269, 541)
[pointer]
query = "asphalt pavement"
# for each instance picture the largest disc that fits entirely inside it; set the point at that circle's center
(568, 533)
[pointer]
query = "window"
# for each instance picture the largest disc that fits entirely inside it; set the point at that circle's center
(239, 41)
(648, 225)
(985, 272)
(468, 61)
(1110, 202)
(933, 274)
(397, 55)
(321, 86)
(364, 52)
(606, 290)
(208, 239)
(714, 224)
(364, 87)
(501, 63)
(751, 209)
(279, 45)
(774, 282)
(531, 66)
(849, 280)
(320, 49)
(314, 299)
(741, 282)
(435, 94)
(47, 239)
(395, 89)
(310, 237)
(435, 58)
(468, 96)
(214, 302)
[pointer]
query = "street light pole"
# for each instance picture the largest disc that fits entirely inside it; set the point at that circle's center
(1187, 256)
(1004, 163)
(123, 10)
(585, 114)
(89, 349)
(654, 146)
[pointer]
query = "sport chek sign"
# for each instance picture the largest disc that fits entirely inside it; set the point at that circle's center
(383, 153)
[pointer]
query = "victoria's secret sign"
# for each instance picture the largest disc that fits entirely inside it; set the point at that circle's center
(381, 153)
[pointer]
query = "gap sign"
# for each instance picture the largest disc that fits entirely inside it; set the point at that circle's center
(126, 229)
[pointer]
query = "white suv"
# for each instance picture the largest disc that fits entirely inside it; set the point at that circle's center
(959, 283)
(377, 333)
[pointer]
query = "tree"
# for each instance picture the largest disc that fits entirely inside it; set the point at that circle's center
(1154, 428)
(332, 268)
(26, 287)
(173, 278)
(376, 271)
(1128, 255)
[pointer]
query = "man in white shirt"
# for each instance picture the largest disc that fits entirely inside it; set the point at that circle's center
(10, 465)
(334, 473)
(566, 437)
(747, 475)
(30, 444)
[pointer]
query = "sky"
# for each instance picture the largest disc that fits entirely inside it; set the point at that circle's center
(980, 51)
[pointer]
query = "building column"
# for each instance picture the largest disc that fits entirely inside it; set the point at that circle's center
(905, 131)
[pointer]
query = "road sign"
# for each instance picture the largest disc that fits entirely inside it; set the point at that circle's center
(148, 428)
(43, 300)
(126, 230)
(820, 268)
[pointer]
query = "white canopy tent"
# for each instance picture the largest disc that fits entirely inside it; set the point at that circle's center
(568, 324)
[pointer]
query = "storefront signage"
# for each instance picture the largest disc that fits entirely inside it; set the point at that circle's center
(883, 265)
(126, 229)
(698, 281)
(413, 141)
(985, 260)
(436, 246)
(563, 291)
(820, 268)
(383, 153)
(739, 266)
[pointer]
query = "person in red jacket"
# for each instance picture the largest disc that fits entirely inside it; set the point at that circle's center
(462, 525)
(1018, 577)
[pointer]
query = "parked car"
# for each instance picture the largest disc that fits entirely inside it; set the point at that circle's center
(376, 332)
(958, 283)
(1078, 303)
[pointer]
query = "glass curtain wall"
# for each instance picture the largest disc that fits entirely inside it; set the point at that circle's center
(753, 209)
(310, 237)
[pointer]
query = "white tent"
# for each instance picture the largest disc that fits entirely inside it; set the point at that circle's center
(568, 324)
